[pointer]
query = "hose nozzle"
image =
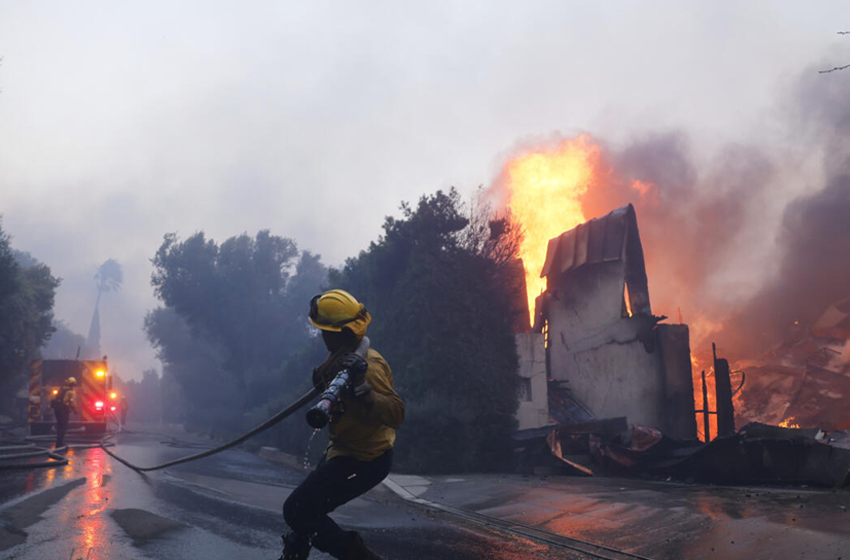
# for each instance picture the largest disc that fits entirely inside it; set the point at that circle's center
(320, 414)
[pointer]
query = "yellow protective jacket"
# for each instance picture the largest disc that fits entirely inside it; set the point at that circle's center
(69, 398)
(367, 428)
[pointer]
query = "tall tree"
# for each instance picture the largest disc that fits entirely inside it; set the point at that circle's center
(244, 302)
(194, 364)
(109, 277)
(27, 292)
(443, 309)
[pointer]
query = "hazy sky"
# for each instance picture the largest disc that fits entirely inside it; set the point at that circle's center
(122, 121)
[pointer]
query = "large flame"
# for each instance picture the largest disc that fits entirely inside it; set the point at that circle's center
(544, 188)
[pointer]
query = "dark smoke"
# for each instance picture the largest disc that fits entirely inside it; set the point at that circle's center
(814, 237)
(689, 219)
(815, 269)
(692, 219)
(718, 244)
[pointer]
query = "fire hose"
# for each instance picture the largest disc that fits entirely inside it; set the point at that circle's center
(318, 416)
(27, 448)
(29, 451)
(331, 400)
(310, 395)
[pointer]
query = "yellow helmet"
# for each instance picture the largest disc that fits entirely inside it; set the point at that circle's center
(337, 309)
(71, 381)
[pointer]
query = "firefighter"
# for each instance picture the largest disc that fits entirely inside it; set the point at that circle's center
(360, 451)
(64, 403)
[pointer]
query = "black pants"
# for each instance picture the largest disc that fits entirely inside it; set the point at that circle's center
(332, 484)
(62, 415)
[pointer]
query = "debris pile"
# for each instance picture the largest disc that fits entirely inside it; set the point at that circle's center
(804, 381)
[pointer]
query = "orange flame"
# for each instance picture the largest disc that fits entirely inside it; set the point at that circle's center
(700, 400)
(789, 423)
(544, 187)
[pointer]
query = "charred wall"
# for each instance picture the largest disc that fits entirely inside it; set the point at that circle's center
(604, 344)
(673, 344)
(600, 355)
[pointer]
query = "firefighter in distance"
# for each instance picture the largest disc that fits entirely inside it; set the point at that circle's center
(64, 403)
(362, 434)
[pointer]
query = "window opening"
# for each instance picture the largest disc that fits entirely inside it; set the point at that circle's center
(525, 389)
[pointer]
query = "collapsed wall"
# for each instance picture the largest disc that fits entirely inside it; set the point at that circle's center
(607, 356)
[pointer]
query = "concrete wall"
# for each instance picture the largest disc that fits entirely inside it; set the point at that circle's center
(613, 374)
(675, 349)
(616, 365)
(532, 413)
(585, 301)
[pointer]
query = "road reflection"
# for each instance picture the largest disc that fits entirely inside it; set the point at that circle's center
(721, 507)
(91, 540)
(30, 484)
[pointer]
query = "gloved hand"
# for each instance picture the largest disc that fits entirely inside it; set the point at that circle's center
(353, 363)
(357, 368)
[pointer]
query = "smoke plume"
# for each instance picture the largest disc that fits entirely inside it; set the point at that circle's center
(753, 242)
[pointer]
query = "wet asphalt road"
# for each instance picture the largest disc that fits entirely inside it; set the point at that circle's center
(223, 507)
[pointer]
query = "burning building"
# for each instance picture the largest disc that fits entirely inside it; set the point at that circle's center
(805, 380)
(604, 353)
(598, 361)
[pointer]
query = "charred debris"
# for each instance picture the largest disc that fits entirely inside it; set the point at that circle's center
(608, 388)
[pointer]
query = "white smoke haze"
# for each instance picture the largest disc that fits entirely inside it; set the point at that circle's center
(125, 121)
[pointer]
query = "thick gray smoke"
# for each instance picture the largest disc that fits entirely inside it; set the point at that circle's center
(752, 239)
(815, 265)
(698, 224)
(814, 235)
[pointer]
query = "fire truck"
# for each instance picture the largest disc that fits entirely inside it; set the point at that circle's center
(95, 399)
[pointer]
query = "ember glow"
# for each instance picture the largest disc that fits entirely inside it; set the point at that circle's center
(544, 188)
(789, 423)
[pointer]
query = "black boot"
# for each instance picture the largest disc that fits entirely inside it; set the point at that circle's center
(358, 550)
(295, 547)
